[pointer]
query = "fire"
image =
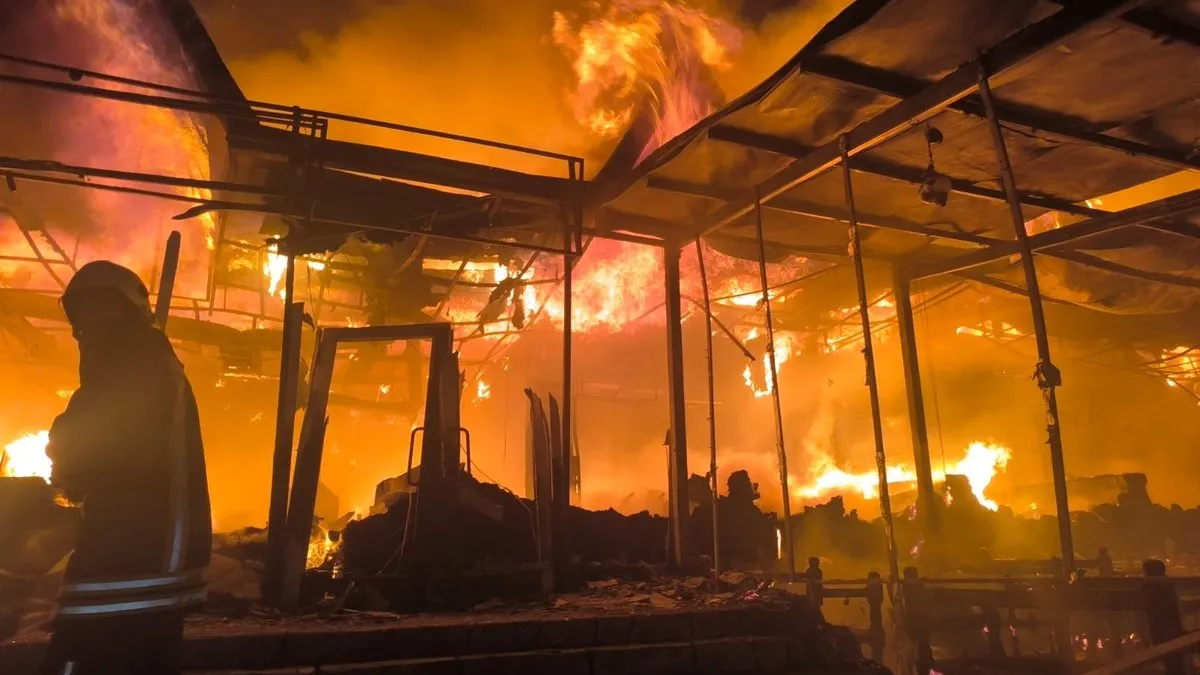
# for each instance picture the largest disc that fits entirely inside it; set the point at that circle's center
(26, 457)
(483, 390)
(320, 547)
(980, 464)
(275, 266)
(656, 51)
(784, 346)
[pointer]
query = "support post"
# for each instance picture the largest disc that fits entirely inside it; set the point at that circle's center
(285, 429)
(926, 500)
(1047, 375)
(166, 281)
(678, 459)
(562, 483)
(864, 313)
(712, 409)
(780, 446)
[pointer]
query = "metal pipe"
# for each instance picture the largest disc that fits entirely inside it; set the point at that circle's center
(166, 281)
(712, 407)
(565, 407)
(779, 443)
(1046, 373)
(864, 313)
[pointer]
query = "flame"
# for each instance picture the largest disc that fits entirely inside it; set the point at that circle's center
(26, 457)
(483, 390)
(275, 266)
(661, 52)
(980, 464)
(320, 547)
(126, 39)
(784, 346)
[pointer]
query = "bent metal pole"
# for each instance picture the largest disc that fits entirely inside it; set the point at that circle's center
(1046, 374)
(864, 313)
(712, 407)
(774, 386)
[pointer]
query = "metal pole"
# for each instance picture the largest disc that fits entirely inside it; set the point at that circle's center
(712, 408)
(864, 313)
(285, 429)
(926, 501)
(563, 501)
(1046, 374)
(779, 443)
(677, 479)
(166, 282)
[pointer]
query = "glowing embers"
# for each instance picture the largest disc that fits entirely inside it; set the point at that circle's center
(656, 52)
(26, 457)
(980, 464)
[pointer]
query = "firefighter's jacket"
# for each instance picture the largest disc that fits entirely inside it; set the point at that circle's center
(128, 447)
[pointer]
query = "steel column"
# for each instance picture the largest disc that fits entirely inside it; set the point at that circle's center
(678, 459)
(926, 502)
(712, 405)
(1046, 374)
(864, 313)
(780, 446)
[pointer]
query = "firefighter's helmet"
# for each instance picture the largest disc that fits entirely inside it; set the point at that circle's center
(102, 274)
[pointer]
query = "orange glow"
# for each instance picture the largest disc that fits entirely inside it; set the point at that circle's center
(980, 464)
(638, 52)
(275, 266)
(26, 457)
(784, 346)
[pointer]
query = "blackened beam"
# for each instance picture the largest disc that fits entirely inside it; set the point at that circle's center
(1043, 123)
(1157, 25)
(819, 211)
(407, 165)
(923, 105)
(898, 172)
(1170, 207)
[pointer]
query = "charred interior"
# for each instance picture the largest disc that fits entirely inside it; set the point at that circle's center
(894, 285)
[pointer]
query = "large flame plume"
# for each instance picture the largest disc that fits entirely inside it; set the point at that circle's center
(980, 464)
(657, 53)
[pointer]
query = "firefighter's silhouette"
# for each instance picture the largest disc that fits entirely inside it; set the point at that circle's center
(127, 448)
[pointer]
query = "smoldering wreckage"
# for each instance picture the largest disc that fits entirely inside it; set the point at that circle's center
(421, 278)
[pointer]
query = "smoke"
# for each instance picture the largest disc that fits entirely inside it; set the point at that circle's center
(472, 67)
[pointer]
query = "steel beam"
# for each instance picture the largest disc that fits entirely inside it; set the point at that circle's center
(1170, 207)
(818, 211)
(922, 463)
(923, 105)
(1047, 125)
(677, 406)
(868, 351)
(1045, 373)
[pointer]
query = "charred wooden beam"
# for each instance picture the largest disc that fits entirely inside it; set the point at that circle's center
(1045, 124)
(923, 105)
(1170, 207)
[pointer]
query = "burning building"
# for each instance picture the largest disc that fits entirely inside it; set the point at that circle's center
(681, 146)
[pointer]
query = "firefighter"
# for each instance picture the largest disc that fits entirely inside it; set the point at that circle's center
(128, 449)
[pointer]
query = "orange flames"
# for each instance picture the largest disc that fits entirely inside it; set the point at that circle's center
(26, 457)
(784, 346)
(646, 51)
(980, 464)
